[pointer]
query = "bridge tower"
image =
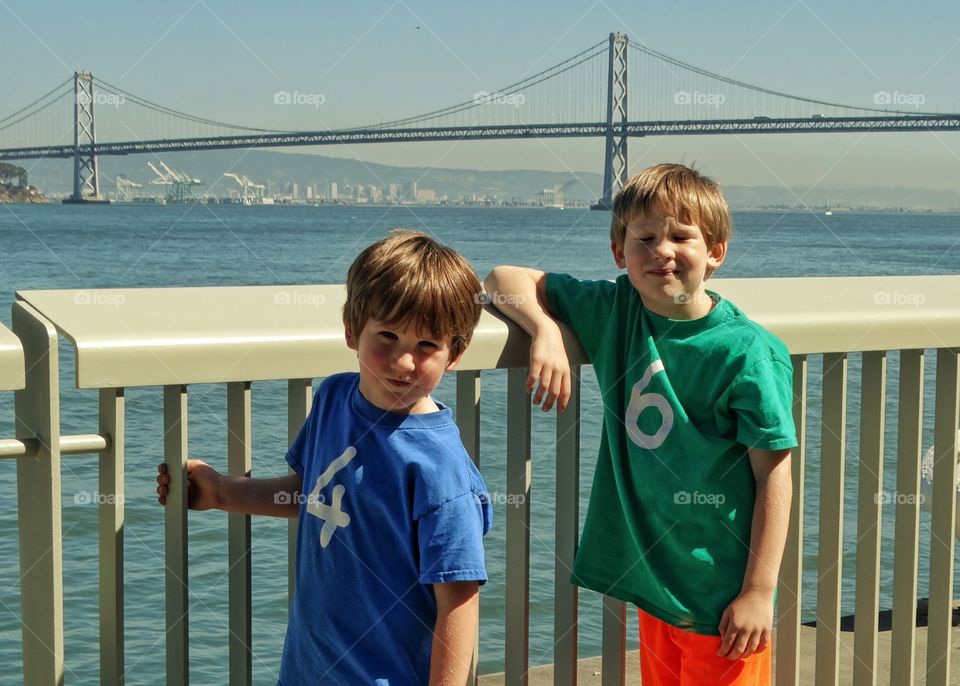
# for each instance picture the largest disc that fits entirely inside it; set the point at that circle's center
(86, 179)
(615, 158)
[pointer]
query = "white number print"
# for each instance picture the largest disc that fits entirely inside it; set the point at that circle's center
(333, 517)
(639, 401)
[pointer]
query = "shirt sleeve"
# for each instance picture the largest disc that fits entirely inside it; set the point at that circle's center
(584, 306)
(451, 540)
(762, 398)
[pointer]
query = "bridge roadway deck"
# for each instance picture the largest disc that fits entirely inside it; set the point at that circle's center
(636, 129)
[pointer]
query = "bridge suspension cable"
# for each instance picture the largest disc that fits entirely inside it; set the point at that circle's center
(644, 50)
(143, 102)
(5, 123)
(590, 53)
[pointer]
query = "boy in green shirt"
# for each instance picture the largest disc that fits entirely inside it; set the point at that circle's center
(691, 497)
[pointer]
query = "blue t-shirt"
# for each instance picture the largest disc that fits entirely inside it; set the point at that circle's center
(391, 504)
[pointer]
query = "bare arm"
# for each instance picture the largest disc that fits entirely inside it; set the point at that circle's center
(747, 622)
(520, 293)
(209, 489)
(455, 634)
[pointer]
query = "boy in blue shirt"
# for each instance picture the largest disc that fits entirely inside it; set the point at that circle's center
(691, 496)
(392, 511)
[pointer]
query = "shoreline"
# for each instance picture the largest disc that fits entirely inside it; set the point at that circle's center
(854, 211)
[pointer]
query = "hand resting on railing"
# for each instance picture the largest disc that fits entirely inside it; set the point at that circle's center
(520, 293)
(208, 489)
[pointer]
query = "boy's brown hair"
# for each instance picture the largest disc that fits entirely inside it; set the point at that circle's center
(673, 190)
(410, 279)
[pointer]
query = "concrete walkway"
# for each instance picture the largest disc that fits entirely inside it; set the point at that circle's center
(589, 668)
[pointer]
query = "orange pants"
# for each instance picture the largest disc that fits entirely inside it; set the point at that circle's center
(673, 657)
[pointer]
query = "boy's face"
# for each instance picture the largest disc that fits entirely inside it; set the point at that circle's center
(668, 262)
(399, 367)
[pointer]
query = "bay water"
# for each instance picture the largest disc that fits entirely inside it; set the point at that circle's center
(47, 247)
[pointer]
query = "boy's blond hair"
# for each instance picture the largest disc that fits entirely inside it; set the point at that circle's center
(673, 190)
(410, 279)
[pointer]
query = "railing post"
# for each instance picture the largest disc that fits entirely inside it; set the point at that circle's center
(468, 423)
(239, 463)
(943, 522)
(468, 412)
(567, 515)
(299, 400)
(37, 409)
(830, 570)
(111, 513)
(175, 539)
(517, 629)
(903, 638)
(872, 409)
(613, 669)
(789, 595)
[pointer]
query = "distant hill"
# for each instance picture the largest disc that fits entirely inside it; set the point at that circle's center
(276, 169)
(14, 186)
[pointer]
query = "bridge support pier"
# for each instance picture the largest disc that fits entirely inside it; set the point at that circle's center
(615, 157)
(86, 179)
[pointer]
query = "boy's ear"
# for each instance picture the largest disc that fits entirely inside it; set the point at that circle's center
(617, 251)
(348, 335)
(716, 255)
(454, 361)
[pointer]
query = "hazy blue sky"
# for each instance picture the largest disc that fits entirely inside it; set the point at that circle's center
(381, 60)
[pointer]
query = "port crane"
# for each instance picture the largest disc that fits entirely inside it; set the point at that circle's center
(556, 196)
(125, 188)
(250, 191)
(181, 184)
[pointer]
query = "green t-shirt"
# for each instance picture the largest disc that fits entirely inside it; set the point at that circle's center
(668, 525)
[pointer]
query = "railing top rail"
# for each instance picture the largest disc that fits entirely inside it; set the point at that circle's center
(11, 361)
(852, 314)
(161, 336)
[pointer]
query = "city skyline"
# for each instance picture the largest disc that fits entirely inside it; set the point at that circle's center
(356, 65)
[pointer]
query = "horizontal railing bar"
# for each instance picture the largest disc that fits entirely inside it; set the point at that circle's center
(84, 443)
(69, 445)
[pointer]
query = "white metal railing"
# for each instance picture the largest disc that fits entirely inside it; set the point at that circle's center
(176, 337)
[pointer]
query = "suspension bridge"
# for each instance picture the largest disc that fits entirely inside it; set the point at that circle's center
(590, 95)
